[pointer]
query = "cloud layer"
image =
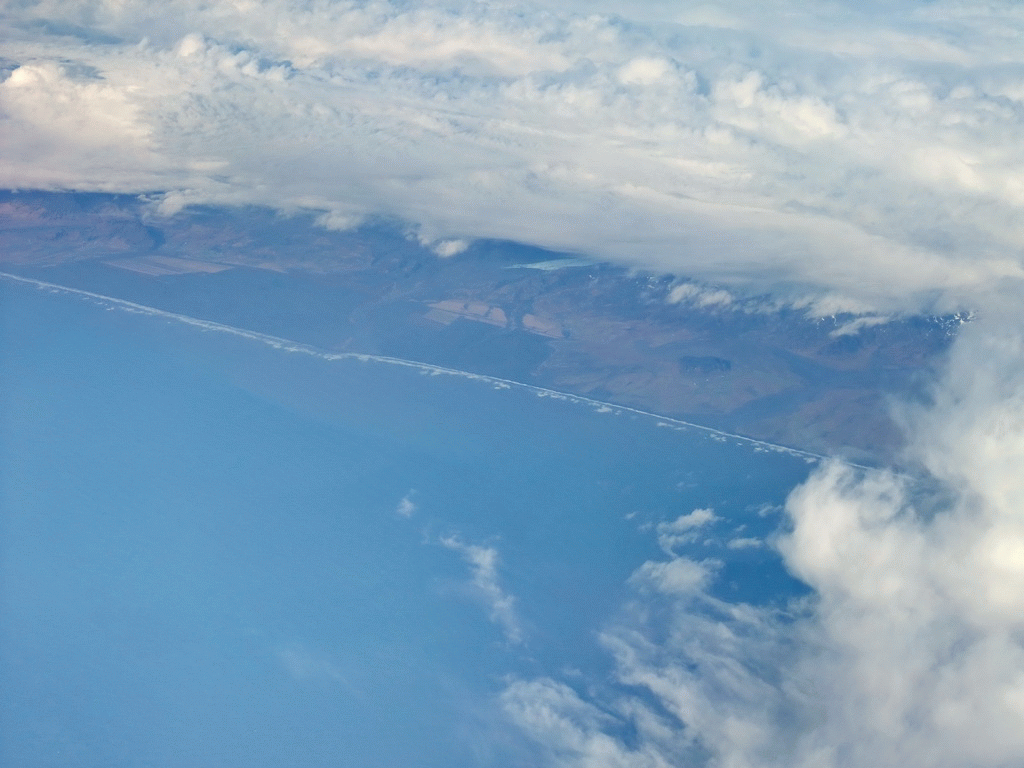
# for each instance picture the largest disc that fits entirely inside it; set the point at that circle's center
(865, 156)
(910, 650)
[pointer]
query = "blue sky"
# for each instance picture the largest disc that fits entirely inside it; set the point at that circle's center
(837, 156)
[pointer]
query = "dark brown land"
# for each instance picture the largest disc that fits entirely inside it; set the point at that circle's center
(590, 329)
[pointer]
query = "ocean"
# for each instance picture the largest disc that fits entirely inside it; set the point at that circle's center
(221, 548)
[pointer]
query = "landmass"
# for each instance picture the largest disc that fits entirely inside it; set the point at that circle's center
(647, 341)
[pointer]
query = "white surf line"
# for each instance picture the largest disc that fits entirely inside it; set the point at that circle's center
(288, 345)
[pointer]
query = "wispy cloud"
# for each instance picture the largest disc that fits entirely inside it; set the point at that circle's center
(406, 506)
(501, 606)
(744, 542)
(685, 529)
(306, 665)
(864, 159)
(699, 296)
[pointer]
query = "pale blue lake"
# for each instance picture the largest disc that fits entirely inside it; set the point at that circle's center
(220, 553)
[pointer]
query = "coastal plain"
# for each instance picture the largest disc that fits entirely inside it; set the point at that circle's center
(597, 330)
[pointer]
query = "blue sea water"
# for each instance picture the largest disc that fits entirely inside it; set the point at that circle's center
(217, 552)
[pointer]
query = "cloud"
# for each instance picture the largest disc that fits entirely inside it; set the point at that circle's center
(406, 507)
(699, 296)
(853, 327)
(908, 651)
(306, 665)
(865, 158)
(501, 606)
(86, 130)
(684, 529)
(680, 576)
(572, 730)
(745, 542)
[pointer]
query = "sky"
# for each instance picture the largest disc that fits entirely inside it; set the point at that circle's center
(842, 157)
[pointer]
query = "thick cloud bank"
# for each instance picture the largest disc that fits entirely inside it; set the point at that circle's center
(865, 156)
(910, 651)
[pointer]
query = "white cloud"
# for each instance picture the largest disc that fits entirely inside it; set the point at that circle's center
(644, 71)
(406, 507)
(685, 529)
(744, 542)
(305, 664)
(501, 606)
(678, 576)
(853, 327)
(444, 248)
(869, 156)
(69, 129)
(910, 649)
(765, 509)
(699, 296)
(571, 730)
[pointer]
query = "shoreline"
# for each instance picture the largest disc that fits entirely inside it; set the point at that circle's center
(289, 345)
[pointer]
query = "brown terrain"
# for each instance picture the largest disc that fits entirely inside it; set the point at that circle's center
(588, 329)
